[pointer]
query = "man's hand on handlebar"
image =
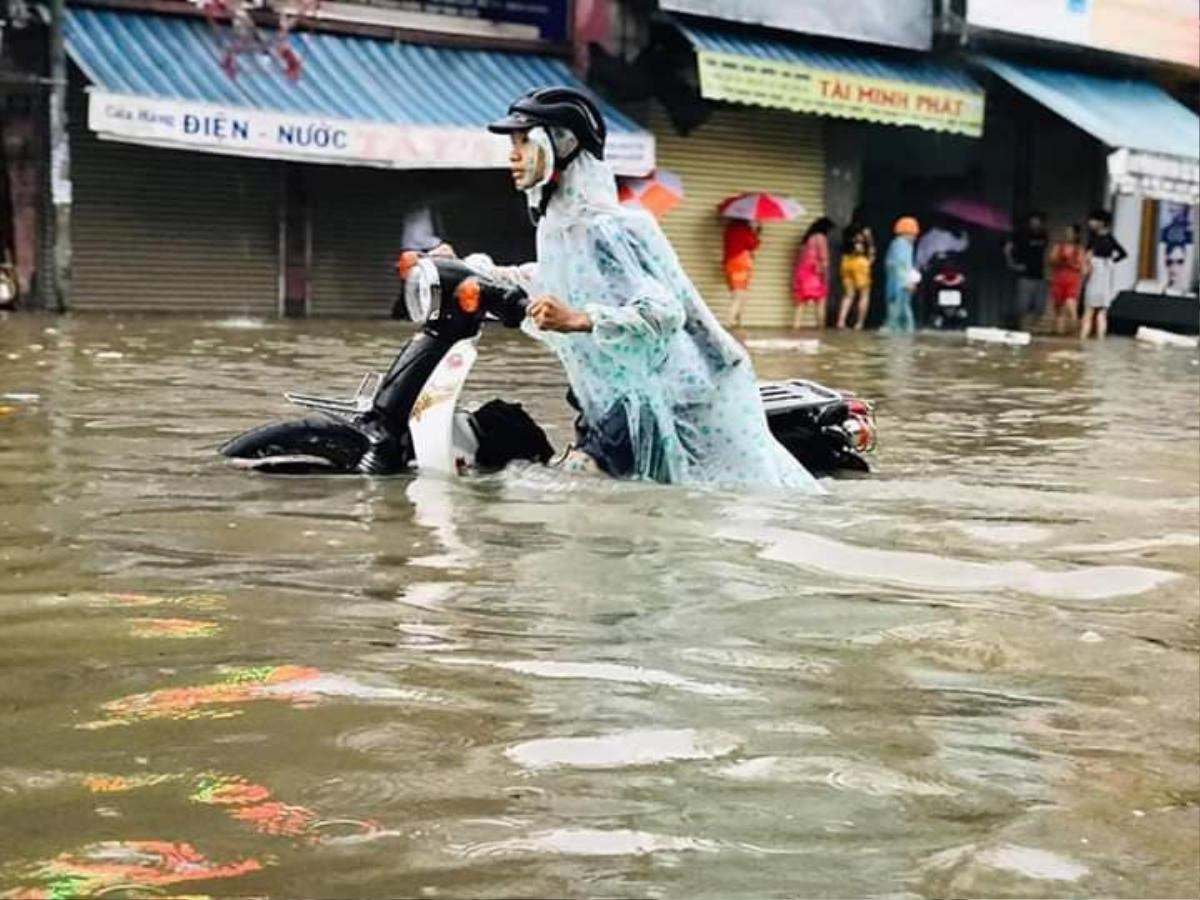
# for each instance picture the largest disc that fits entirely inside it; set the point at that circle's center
(551, 314)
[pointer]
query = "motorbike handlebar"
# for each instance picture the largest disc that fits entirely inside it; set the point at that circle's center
(431, 289)
(511, 306)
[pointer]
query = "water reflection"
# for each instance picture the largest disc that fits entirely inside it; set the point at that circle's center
(109, 866)
(212, 701)
(105, 867)
(971, 674)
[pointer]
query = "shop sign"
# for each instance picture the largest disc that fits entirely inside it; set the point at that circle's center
(1155, 175)
(245, 131)
(804, 88)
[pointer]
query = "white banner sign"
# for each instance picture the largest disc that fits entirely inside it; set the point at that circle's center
(1154, 29)
(253, 132)
(1154, 175)
(896, 23)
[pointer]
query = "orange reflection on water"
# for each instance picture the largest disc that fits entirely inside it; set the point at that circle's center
(129, 865)
(116, 784)
(209, 701)
(173, 628)
(277, 818)
(188, 601)
(126, 863)
(229, 789)
(252, 804)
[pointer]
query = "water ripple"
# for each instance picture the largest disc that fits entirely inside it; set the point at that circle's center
(612, 672)
(840, 774)
(534, 685)
(938, 573)
(587, 842)
(627, 748)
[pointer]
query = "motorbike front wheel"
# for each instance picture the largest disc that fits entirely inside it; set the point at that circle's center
(313, 444)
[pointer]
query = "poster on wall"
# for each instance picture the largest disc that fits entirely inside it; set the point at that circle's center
(1169, 262)
(1165, 30)
(1175, 248)
(893, 23)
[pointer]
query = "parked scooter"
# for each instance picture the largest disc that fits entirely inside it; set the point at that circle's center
(408, 418)
(946, 292)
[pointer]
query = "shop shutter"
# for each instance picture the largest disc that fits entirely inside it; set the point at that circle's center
(171, 230)
(742, 148)
(358, 225)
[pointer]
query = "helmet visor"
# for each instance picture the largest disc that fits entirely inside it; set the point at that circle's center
(514, 121)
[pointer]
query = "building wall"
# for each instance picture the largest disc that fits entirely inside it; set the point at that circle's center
(358, 222)
(1067, 167)
(742, 148)
(173, 231)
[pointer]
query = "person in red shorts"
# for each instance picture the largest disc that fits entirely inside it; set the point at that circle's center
(1066, 279)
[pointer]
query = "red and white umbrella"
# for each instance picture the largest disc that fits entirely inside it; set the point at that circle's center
(757, 206)
(658, 193)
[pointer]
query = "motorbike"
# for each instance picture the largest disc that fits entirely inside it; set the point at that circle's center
(946, 289)
(409, 419)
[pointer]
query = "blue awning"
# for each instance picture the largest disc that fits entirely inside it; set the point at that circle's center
(893, 87)
(1121, 113)
(359, 101)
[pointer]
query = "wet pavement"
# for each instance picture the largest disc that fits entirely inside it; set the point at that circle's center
(974, 673)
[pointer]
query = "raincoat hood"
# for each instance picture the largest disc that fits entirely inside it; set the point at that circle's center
(541, 158)
(655, 353)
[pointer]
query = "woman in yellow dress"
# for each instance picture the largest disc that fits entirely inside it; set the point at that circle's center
(858, 258)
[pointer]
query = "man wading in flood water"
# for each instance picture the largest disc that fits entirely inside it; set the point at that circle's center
(664, 392)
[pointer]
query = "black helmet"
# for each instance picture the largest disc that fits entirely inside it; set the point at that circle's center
(561, 106)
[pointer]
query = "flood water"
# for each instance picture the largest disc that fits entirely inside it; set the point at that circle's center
(974, 673)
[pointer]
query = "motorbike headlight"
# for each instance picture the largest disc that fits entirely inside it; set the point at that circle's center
(422, 290)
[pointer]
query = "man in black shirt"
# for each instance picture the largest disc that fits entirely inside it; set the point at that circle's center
(1025, 254)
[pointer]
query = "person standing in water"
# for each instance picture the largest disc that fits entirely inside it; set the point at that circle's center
(1025, 254)
(858, 258)
(1066, 279)
(810, 279)
(1103, 254)
(902, 276)
(664, 392)
(741, 241)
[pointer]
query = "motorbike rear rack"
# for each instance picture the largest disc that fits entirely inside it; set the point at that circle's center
(362, 401)
(795, 393)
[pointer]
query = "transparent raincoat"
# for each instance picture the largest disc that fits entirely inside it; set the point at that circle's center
(900, 269)
(656, 352)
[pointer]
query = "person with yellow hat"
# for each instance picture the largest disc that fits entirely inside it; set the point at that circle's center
(902, 276)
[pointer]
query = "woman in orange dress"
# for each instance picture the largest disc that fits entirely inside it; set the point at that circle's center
(1066, 279)
(741, 240)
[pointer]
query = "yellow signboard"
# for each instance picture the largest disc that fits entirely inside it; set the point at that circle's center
(826, 92)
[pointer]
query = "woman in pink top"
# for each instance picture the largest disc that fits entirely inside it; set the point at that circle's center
(810, 280)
